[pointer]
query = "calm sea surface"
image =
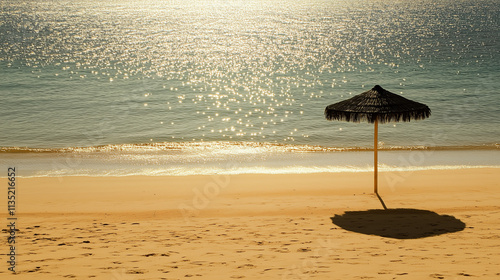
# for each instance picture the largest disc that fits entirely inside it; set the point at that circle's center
(171, 87)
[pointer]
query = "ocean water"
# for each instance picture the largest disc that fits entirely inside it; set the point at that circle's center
(175, 88)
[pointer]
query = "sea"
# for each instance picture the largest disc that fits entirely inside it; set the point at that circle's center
(166, 87)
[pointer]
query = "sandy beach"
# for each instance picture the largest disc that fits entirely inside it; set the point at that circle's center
(308, 226)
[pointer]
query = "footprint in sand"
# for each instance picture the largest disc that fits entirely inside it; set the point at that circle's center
(304, 249)
(135, 271)
(35, 269)
(247, 265)
(284, 250)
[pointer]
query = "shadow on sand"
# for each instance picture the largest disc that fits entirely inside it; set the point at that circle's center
(398, 223)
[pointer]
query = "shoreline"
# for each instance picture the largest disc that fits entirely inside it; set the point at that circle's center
(312, 171)
(240, 161)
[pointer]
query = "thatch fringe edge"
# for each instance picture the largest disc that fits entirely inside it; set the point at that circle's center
(382, 117)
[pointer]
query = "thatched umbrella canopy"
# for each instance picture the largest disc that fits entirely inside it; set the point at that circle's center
(377, 106)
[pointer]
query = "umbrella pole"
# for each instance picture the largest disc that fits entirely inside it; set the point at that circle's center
(375, 158)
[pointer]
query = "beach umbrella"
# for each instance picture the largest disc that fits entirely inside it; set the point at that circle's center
(377, 106)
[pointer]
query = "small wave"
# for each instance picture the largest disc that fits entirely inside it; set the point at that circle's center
(232, 147)
(241, 171)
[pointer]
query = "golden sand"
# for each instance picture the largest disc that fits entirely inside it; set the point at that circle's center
(258, 227)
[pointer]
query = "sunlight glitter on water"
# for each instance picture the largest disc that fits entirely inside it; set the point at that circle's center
(240, 70)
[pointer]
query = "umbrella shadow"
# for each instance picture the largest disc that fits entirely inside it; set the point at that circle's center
(398, 223)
